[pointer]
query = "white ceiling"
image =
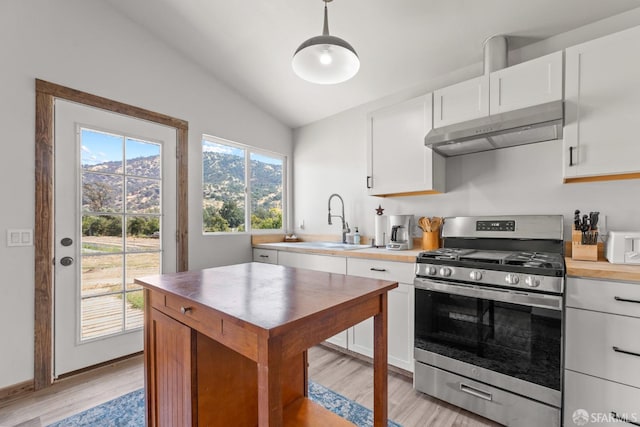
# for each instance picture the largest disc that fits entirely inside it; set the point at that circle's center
(248, 44)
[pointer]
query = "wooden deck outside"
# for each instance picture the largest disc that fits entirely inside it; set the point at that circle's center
(104, 316)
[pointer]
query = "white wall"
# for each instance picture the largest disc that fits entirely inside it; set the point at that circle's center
(329, 157)
(87, 46)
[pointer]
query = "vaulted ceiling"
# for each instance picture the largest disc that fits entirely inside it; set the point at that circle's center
(248, 44)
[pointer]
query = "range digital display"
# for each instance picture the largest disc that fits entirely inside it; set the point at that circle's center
(509, 225)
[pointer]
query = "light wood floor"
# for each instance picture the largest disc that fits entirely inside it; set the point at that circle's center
(345, 375)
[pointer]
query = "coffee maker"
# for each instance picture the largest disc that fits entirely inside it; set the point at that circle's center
(400, 232)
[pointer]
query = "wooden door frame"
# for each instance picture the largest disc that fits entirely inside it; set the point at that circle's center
(46, 94)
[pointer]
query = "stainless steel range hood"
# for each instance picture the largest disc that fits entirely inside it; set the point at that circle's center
(525, 126)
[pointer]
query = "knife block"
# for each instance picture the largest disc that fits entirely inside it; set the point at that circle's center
(582, 252)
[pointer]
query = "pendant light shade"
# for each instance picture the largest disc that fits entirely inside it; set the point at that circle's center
(325, 59)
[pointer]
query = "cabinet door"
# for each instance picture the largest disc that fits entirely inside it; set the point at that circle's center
(330, 264)
(602, 93)
(398, 160)
(599, 402)
(400, 325)
(172, 370)
(603, 345)
(461, 102)
(523, 85)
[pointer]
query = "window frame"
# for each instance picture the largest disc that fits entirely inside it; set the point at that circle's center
(248, 150)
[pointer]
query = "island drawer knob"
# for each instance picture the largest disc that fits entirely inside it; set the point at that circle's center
(185, 310)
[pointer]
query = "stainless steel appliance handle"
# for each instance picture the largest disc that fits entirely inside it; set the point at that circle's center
(476, 392)
(552, 302)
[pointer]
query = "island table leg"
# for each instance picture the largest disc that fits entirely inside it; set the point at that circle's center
(270, 409)
(380, 407)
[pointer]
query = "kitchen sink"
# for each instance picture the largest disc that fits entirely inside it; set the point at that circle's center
(328, 245)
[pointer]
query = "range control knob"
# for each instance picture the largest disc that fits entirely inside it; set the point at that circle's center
(532, 281)
(445, 271)
(475, 275)
(431, 270)
(512, 279)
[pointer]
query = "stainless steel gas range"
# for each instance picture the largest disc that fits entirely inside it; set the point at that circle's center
(488, 318)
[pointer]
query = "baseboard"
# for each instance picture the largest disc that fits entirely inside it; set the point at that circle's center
(16, 390)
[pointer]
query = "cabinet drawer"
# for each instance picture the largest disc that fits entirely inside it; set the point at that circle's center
(206, 321)
(269, 256)
(609, 297)
(599, 399)
(603, 345)
(329, 264)
(402, 272)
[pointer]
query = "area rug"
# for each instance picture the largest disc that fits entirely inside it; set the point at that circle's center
(128, 410)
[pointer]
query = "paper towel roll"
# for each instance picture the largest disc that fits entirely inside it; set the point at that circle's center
(380, 231)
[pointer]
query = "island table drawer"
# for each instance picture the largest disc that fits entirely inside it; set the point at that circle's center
(603, 345)
(402, 272)
(206, 322)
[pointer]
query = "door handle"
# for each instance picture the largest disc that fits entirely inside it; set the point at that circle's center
(66, 261)
(617, 298)
(571, 156)
(66, 241)
(369, 181)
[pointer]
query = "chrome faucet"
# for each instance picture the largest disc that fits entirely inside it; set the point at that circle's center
(345, 225)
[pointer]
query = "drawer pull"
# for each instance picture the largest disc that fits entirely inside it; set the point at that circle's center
(475, 392)
(619, 350)
(623, 419)
(378, 269)
(185, 310)
(626, 300)
(264, 256)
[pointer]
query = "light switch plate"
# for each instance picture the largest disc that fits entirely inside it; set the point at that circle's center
(19, 237)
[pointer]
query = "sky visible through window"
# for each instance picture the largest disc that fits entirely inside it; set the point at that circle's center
(99, 147)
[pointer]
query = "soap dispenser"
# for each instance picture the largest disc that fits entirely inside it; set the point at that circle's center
(356, 237)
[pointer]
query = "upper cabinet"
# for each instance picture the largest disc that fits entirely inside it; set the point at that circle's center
(398, 161)
(523, 85)
(526, 84)
(463, 101)
(602, 106)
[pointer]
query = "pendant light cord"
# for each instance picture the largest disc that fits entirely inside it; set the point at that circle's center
(325, 29)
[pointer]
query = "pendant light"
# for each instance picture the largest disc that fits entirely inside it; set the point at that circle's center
(325, 59)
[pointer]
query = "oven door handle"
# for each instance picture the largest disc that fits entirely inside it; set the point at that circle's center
(552, 302)
(476, 392)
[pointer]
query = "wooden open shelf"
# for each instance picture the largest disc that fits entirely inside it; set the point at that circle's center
(303, 412)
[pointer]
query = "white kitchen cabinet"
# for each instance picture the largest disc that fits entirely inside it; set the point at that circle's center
(400, 311)
(602, 349)
(268, 256)
(398, 161)
(526, 84)
(327, 263)
(330, 264)
(602, 93)
(460, 102)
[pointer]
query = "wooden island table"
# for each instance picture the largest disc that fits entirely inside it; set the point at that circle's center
(227, 346)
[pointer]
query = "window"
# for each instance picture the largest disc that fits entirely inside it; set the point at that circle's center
(242, 187)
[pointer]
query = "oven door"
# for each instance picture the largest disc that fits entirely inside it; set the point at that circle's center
(508, 339)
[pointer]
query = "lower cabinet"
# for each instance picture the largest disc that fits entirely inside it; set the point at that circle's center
(329, 264)
(602, 353)
(359, 338)
(400, 311)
